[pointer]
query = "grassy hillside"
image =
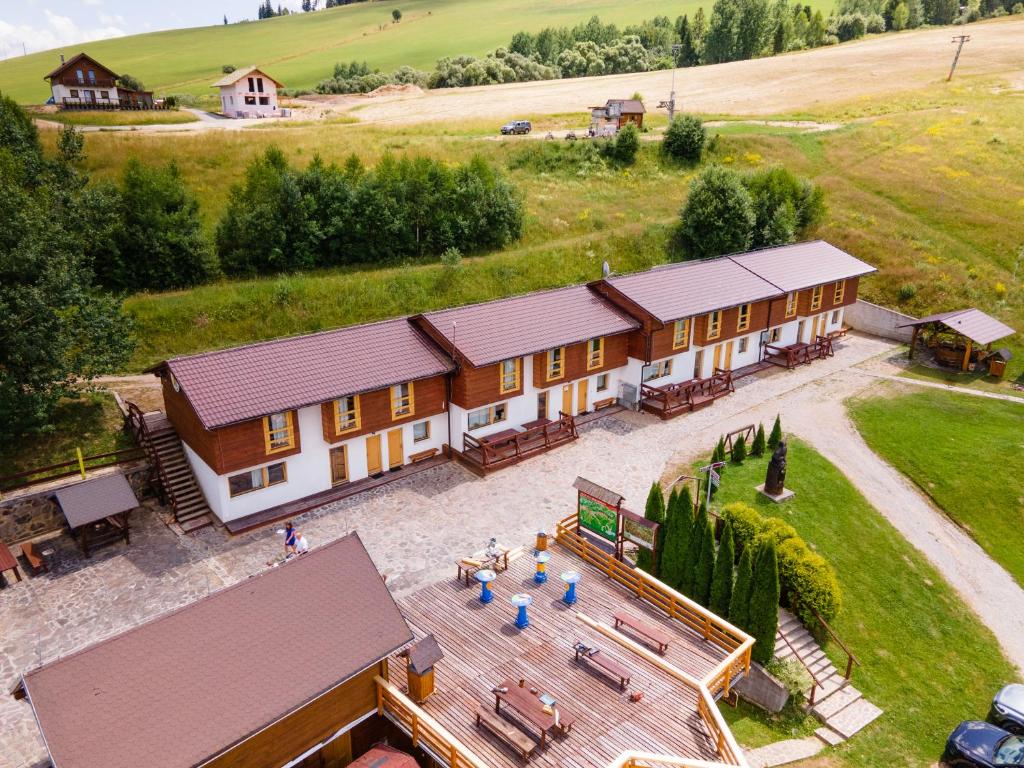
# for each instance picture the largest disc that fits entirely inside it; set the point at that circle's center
(301, 49)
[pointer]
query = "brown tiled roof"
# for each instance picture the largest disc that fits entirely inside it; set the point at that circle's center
(533, 322)
(972, 323)
(241, 383)
(91, 500)
(675, 291)
(184, 687)
(73, 61)
(802, 265)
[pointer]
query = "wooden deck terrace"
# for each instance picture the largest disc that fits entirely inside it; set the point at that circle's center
(482, 647)
(793, 355)
(685, 396)
(486, 454)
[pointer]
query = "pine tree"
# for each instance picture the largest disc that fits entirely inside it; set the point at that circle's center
(764, 603)
(654, 510)
(757, 447)
(721, 581)
(739, 603)
(225, 19)
(739, 450)
(776, 436)
(679, 521)
(686, 583)
(659, 541)
(705, 567)
(722, 453)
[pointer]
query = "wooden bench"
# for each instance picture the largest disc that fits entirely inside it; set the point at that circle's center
(605, 662)
(505, 731)
(36, 562)
(655, 635)
(838, 333)
(604, 403)
(422, 455)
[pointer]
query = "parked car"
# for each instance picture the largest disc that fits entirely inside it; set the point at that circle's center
(975, 744)
(1008, 709)
(516, 126)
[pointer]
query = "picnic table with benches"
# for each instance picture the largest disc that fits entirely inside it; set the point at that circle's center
(506, 731)
(658, 637)
(481, 560)
(531, 708)
(601, 659)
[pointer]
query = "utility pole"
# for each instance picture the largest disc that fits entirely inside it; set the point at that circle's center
(670, 105)
(961, 39)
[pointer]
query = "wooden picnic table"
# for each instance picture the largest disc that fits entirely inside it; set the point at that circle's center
(536, 423)
(531, 708)
(500, 437)
(8, 562)
(469, 565)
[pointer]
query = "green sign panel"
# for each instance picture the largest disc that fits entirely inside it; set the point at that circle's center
(598, 517)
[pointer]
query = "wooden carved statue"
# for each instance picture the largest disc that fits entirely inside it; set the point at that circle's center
(775, 478)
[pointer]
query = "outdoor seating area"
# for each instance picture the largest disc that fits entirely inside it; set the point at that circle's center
(792, 355)
(962, 340)
(685, 396)
(510, 446)
(536, 668)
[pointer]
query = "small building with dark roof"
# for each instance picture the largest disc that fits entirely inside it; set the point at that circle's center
(276, 667)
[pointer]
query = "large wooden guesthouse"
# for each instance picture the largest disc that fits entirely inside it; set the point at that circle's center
(268, 424)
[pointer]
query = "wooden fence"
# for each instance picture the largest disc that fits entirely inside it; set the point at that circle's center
(69, 468)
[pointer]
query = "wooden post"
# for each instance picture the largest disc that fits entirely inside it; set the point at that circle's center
(913, 341)
(967, 356)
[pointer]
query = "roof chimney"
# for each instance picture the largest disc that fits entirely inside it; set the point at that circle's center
(62, 58)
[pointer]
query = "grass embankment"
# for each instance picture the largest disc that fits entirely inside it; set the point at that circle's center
(92, 423)
(925, 659)
(965, 452)
(302, 49)
(107, 118)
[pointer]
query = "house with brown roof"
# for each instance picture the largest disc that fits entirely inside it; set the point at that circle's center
(616, 114)
(248, 92)
(81, 82)
(270, 423)
(526, 366)
(278, 669)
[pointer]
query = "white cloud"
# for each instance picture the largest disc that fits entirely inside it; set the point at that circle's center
(58, 31)
(92, 3)
(110, 20)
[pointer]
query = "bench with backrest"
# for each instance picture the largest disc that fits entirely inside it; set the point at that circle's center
(422, 455)
(606, 403)
(599, 658)
(658, 637)
(505, 731)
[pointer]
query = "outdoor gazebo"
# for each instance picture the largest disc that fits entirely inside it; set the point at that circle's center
(962, 339)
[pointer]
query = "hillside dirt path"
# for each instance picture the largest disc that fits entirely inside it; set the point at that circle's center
(796, 82)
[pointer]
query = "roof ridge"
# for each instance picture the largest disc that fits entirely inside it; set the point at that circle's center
(174, 611)
(505, 298)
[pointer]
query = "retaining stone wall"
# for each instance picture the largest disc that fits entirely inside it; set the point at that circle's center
(878, 321)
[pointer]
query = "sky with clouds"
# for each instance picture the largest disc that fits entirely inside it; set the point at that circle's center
(43, 24)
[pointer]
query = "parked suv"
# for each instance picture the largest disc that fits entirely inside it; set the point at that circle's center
(1008, 709)
(516, 126)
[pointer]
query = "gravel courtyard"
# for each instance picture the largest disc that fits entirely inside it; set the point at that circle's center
(413, 528)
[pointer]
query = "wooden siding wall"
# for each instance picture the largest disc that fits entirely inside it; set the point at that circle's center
(476, 387)
(186, 422)
(291, 736)
(375, 409)
(827, 293)
(730, 317)
(575, 366)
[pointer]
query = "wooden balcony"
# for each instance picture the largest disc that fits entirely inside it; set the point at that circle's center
(510, 446)
(799, 354)
(673, 399)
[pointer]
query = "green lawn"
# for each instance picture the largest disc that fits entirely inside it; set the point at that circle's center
(92, 423)
(926, 661)
(118, 117)
(302, 49)
(965, 452)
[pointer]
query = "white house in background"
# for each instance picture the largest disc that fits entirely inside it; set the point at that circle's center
(249, 92)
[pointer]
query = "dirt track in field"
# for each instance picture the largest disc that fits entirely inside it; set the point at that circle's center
(783, 84)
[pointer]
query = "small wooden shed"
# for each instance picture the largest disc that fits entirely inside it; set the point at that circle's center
(962, 339)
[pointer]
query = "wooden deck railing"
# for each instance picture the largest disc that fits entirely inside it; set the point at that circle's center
(516, 447)
(685, 395)
(799, 354)
(69, 468)
(427, 734)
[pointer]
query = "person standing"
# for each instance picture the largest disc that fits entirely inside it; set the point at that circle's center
(289, 540)
(301, 545)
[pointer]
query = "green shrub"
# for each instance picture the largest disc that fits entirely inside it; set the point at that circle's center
(721, 580)
(745, 521)
(684, 139)
(626, 144)
(764, 603)
(808, 582)
(794, 676)
(739, 450)
(757, 447)
(1018, 9)
(739, 604)
(776, 529)
(776, 436)
(704, 568)
(907, 291)
(717, 217)
(654, 510)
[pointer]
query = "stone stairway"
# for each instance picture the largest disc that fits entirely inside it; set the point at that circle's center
(841, 708)
(179, 484)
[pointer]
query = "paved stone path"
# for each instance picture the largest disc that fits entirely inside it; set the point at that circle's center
(784, 752)
(413, 528)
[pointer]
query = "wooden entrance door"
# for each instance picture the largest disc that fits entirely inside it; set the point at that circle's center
(698, 364)
(373, 459)
(339, 465)
(396, 450)
(727, 362)
(800, 331)
(716, 360)
(819, 326)
(581, 395)
(567, 399)
(542, 405)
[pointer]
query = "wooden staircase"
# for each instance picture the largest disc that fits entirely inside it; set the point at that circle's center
(840, 707)
(170, 471)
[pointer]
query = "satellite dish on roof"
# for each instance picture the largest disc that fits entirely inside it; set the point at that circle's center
(605, 269)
